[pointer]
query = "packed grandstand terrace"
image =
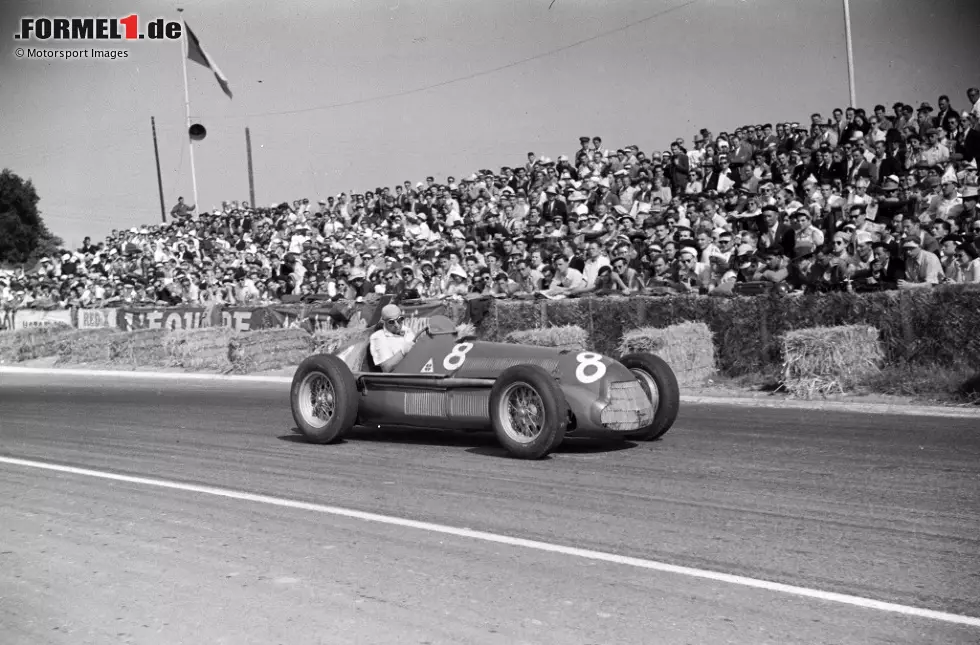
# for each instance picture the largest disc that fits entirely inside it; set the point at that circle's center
(849, 200)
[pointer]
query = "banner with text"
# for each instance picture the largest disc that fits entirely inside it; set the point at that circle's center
(95, 318)
(28, 318)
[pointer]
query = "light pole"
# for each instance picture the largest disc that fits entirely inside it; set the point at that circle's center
(850, 52)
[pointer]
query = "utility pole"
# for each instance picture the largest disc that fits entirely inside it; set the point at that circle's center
(156, 154)
(850, 52)
(251, 177)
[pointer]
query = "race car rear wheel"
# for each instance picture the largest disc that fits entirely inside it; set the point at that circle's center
(324, 398)
(660, 385)
(529, 411)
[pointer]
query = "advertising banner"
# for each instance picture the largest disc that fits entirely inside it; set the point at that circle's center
(27, 318)
(95, 318)
(130, 318)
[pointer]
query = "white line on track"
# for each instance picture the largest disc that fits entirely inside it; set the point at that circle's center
(759, 403)
(829, 596)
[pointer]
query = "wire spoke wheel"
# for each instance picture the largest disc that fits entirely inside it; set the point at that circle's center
(649, 386)
(317, 399)
(522, 415)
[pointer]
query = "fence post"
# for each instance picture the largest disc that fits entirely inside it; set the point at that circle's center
(542, 313)
(641, 314)
(764, 335)
(591, 344)
(496, 321)
(907, 334)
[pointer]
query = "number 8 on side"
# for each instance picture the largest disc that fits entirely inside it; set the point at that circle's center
(590, 367)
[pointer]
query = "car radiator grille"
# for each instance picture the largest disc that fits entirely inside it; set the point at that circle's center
(629, 407)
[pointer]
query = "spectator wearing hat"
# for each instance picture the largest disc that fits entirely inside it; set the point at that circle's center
(552, 206)
(922, 268)
(692, 275)
(860, 261)
(967, 217)
(935, 152)
(946, 203)
(457, 286)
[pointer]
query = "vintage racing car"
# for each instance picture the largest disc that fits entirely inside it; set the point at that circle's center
(531, 397)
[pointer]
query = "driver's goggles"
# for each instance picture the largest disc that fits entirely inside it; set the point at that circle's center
(396, 321)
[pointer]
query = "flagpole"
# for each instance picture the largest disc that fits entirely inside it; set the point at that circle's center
(187, 105)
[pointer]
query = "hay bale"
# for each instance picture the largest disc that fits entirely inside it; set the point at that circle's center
(269, 349)
(688, 348)
(355, 355)
(205, 348)
(85, 346)
(570, 337)
(24, 344)
(140, 347)
(824, 360)
(332, 341)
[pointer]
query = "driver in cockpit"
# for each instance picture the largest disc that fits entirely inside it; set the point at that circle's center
(393, 341)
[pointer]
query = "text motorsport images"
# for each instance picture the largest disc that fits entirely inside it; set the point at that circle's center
(71, 54)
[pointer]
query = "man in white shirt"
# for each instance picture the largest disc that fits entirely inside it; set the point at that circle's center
(393, 341)
(567, 280)
(595, 261)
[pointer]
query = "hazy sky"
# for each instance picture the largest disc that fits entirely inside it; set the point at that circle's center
(81, 129)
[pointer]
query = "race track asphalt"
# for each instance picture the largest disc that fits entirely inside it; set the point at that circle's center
(881, 507)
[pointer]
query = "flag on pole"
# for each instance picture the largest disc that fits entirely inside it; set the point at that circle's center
(197, 54)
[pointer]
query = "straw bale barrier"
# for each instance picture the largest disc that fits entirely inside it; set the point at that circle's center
(920, 326)
(332, 341)
(348, 343)
(25, 344)
(85, 346)
(825, 360)
(139, 348)
(206, 348)
(687, 347)
(269, 349)
(570, 337)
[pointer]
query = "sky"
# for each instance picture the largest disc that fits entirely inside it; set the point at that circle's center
(347, 96)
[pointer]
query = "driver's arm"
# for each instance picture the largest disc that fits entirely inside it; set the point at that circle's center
(391, 363)
(388, 351)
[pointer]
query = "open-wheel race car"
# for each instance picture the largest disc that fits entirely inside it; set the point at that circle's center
(531, 397)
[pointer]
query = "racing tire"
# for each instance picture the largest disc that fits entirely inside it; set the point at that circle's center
(324, 398)
(528, 411)
(659, 383)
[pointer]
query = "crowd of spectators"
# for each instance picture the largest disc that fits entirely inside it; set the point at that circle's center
(853, 200)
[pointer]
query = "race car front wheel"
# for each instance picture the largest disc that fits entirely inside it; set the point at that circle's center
(660, 385)
(528, 411)
(324, 398)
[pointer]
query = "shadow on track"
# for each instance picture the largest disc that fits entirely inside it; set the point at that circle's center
(477, 443)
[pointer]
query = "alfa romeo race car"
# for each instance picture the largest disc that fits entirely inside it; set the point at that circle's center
(531, 397)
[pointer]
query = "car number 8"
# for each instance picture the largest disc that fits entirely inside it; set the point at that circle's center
(593, 361)
(455, 359)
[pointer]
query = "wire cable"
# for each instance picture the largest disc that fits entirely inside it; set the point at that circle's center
(460, 79)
